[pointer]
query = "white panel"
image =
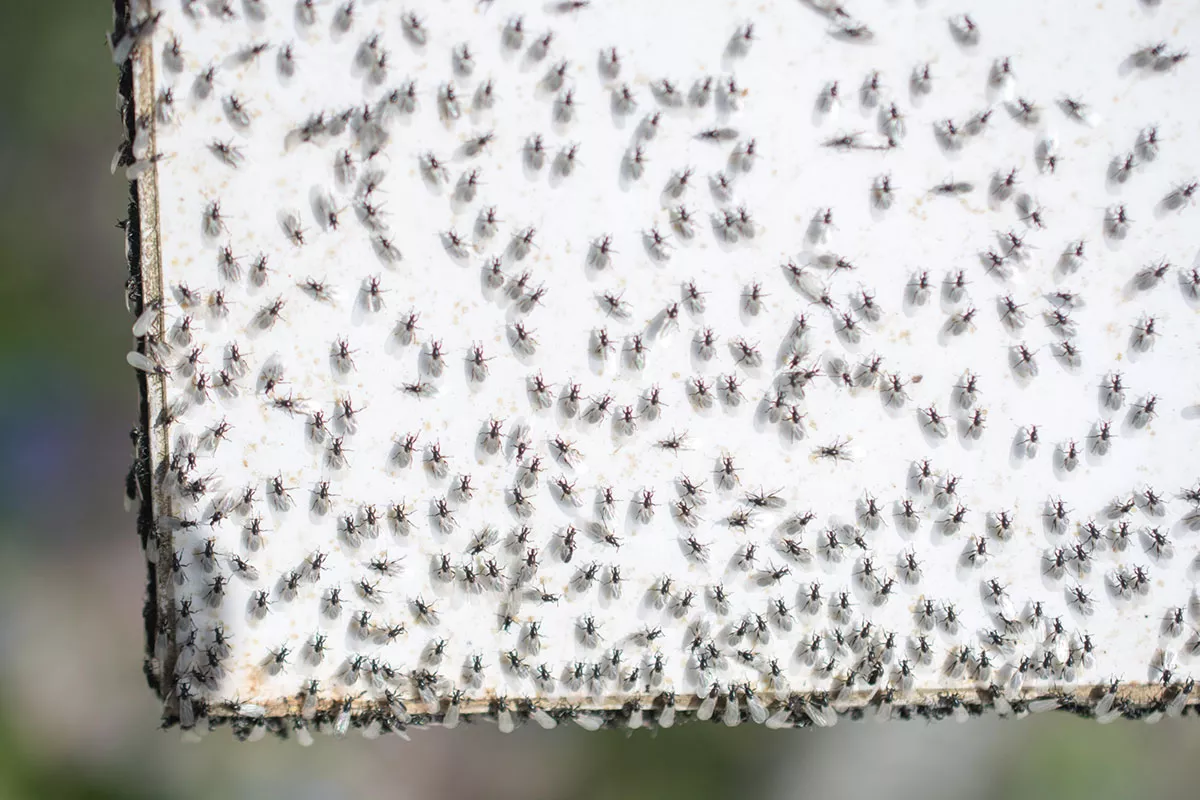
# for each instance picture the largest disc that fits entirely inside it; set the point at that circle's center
(781, 107)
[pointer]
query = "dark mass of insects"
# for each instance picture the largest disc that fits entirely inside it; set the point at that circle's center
(519, 379)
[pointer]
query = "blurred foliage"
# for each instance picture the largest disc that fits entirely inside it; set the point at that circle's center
(62, 264)
(60, 257)
(690, 761)
(1073, 759)
(28, 775)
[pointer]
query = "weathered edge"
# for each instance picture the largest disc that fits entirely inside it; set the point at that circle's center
(144, 286)
(795, 711)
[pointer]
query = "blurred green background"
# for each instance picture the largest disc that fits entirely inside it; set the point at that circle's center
(76, 718)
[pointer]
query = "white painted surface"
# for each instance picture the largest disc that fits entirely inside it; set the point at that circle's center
(1055, 51)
